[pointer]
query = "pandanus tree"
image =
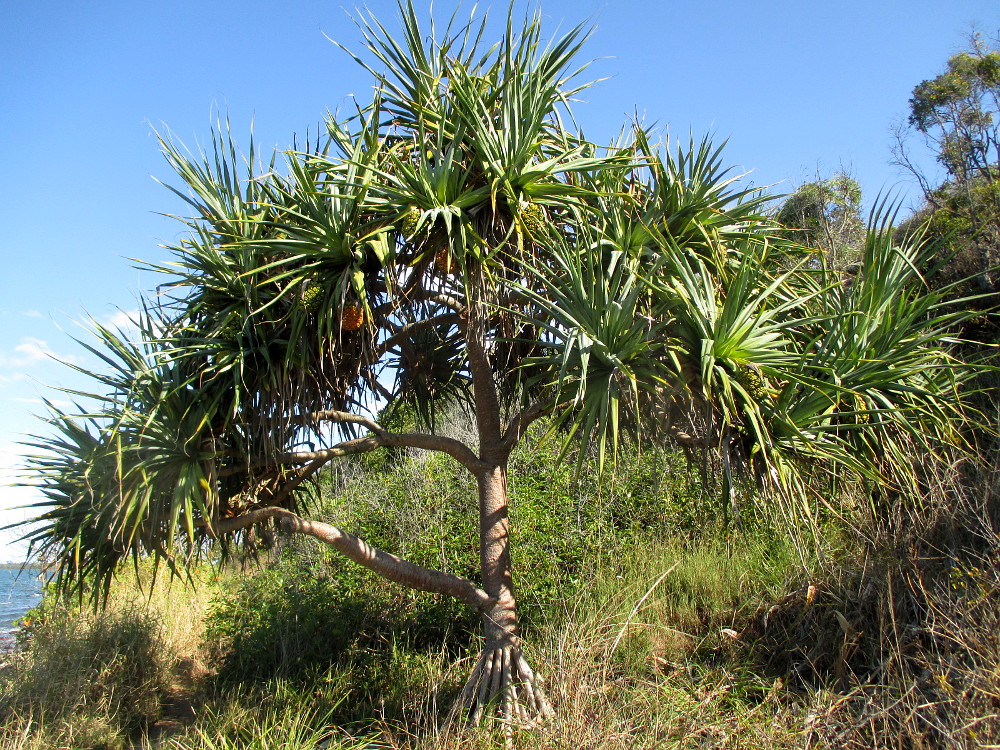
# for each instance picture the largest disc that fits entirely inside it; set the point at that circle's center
(455, 241)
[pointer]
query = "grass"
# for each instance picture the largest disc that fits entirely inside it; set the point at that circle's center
(654, 626)
(97, 679)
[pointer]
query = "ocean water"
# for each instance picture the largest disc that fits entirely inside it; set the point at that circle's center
(20, 590)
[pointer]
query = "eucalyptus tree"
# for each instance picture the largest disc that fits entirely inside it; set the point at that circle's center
(826, 214)
(457, 241)
(956, 115)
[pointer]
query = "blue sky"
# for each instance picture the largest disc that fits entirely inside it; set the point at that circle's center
(798, 88)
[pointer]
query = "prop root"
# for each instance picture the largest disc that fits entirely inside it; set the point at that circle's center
(502, 679)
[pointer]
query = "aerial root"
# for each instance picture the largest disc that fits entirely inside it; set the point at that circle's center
(502, 679)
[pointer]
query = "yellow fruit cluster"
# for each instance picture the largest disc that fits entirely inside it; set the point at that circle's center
(352, 317)
(533, 218)
(862, 416)
(410, 221)
(230, 331)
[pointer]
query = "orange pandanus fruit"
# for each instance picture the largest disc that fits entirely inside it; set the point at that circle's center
(352, 317)
(444, 263)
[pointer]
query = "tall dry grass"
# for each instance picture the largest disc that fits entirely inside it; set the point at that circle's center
(85, 679)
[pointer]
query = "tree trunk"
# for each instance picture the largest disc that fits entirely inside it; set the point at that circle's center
(501, 681)
(500, 620)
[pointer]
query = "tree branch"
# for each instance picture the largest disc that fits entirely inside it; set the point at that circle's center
(453, 303)
(474, 327)
(341, 417)
(454, 448)
(402, 332)
(387, 565)
(346, 448)
(520, 423)
(379, 439)
(345, 417)
(685, 438)
(299, 478)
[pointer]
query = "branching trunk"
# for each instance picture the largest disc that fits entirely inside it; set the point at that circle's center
(501, 679)
(502, 676)
(502, 683)
(500, 621)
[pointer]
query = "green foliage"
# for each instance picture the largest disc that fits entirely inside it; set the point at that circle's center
(959, 110)
(314, 609)
(739, 642)
(965, 223)
(278, 714)
(826, 215)
(296, 621)
(957, 116)
(627, 290)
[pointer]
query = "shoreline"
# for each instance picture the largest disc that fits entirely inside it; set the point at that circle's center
(8, 644)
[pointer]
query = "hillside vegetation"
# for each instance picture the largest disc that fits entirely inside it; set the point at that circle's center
(657, 625)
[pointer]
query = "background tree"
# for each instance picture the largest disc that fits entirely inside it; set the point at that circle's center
(456, 242)
(955, 116)
(826, 215)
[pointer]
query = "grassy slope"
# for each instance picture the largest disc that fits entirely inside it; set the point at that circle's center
(655, 626)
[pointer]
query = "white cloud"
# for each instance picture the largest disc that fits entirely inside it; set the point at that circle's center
(32, 314)
(28, 353)
(55, 402)
(32, 350)
(124, 320)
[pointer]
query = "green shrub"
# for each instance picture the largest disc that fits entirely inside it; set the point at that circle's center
(312, 608)
(276, 715)
(288, 620)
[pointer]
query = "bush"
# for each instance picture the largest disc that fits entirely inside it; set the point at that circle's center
(106, 671)
(277, 715)
(313, 609)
